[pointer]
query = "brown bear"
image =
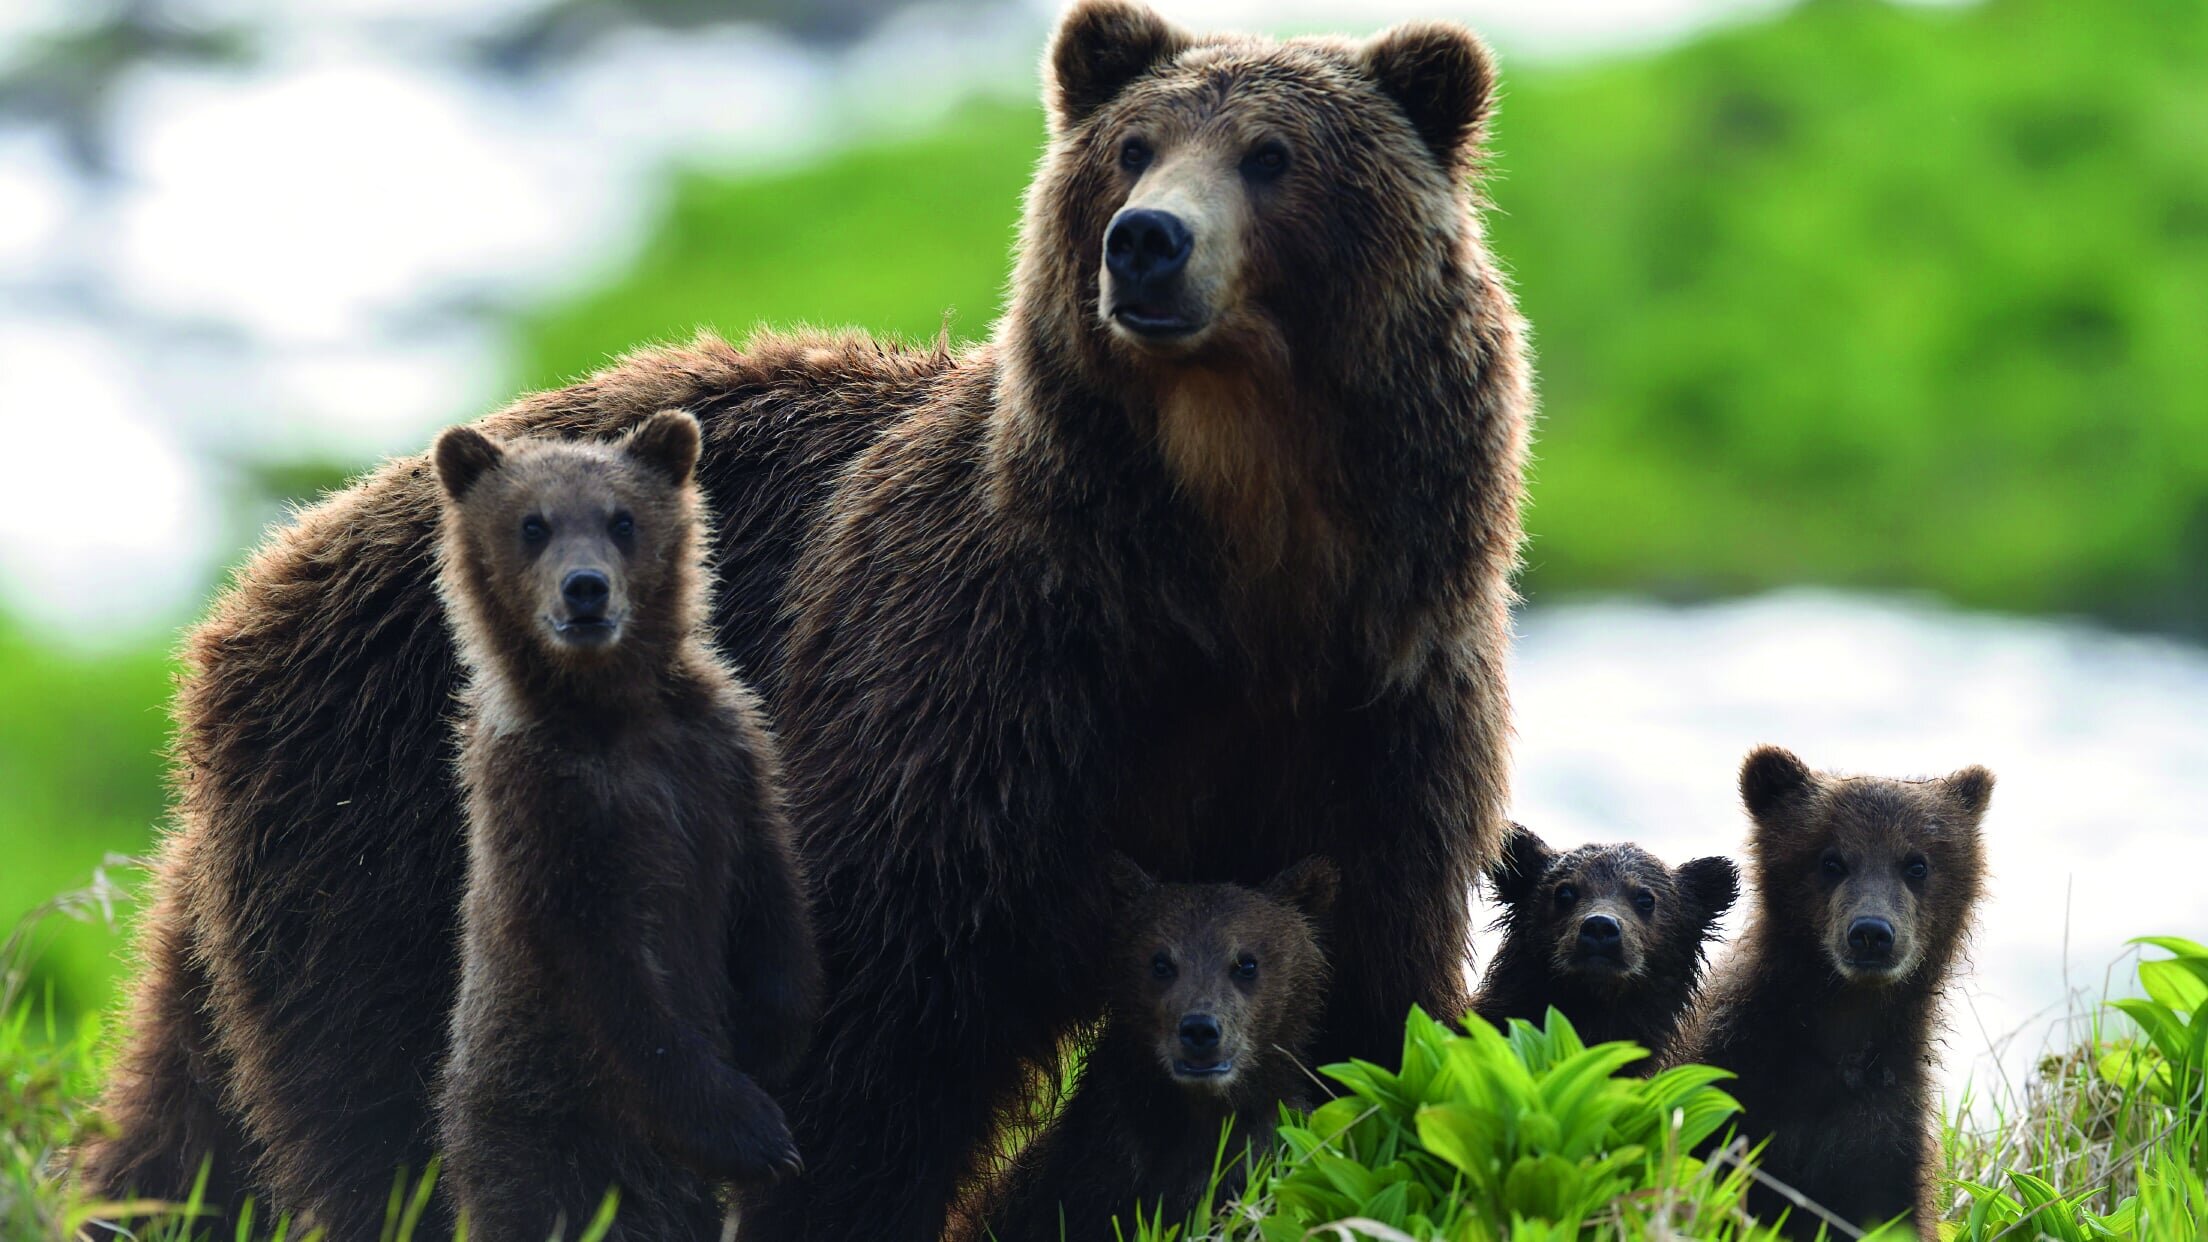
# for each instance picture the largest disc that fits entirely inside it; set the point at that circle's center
(1606, 934)
(635, 939)
(1205, 556)
(1826, 1008)
(1215, 992)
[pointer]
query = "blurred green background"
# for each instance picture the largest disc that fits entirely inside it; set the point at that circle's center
(1866, 295)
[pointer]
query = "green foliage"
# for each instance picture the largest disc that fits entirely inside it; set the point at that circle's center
(1483, 1136)
(2134, 1111)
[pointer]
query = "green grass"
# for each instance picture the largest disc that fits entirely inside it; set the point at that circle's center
(1473, 1136)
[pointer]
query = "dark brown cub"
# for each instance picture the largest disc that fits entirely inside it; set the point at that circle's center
(1827, 1009)
(1606, 934)
(635, 942)
(1215, 992)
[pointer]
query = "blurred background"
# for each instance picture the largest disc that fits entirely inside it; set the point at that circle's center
(1871, 343)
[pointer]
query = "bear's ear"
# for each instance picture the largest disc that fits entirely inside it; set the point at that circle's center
(1518, 872)
(462, 456)
(1972, 789)
(1129, 882)
(667, 443)
(1309, 886)
(1442, 77)
(1771, 779)
(1712, 884)
(1101, 46)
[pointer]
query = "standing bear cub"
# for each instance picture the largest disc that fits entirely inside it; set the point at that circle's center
(1215, 992)
(1826, 1010)
(1606, 934)
(635, 943)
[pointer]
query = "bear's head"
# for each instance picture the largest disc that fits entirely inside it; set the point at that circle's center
(1227, 196)
(1875, 876)
(571, 551)
(1263, 255)
(1224, 984)
(1612, 919)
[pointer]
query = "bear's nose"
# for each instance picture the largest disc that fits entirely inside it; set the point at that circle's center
(585, 591)
(1200, 1032)
(1145, 246)
(1600, 933)
(1872, 940)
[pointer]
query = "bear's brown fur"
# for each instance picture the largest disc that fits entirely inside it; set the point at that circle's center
(1606, 934)
(1216, 991)
(1222, 583)
(1827, 1007)
(636, 944)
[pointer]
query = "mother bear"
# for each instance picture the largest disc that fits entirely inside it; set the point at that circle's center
(1204, 556)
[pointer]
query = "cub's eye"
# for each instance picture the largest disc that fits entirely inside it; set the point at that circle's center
(1645, 902)
(1245, 968)
(1834, 866)
(1917, 869)
(1265, 162)
(622, 526)
(1134, 155)
(1161, 967)
(1566, 895)
(535, 530)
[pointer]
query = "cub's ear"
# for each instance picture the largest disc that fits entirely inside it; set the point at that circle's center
(1129, 882)
(1442, 77)
(1712, 884)
(1310, 886)
(1518, 872)
(667, 443)
(1101, 46)
(1972, 789)
(1772, 779)
(462, 456)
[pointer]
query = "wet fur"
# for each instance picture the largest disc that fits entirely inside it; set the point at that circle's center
(635, 941)
(1000, 634)
(1526, 977)
(1838, 1075)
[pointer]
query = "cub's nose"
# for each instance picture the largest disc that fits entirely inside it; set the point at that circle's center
(1871, 940)
(1600, 934)
(586, 592)
(1200, 1033)
(1146, 246)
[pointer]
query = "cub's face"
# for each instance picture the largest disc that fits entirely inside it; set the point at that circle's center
(1233, 195)
(1221, 979)
(1610, 916)
(567, 542)
(1877, 874)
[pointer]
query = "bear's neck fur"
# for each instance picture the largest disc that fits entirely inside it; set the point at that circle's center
(1318, 487)
(1870, 1036)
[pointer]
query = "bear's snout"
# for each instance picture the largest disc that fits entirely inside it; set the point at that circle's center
(1600, 936)
(1871, 942)
(1146, 254)
(586, 592)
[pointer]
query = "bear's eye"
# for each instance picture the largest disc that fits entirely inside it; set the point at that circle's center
(1265, 162)
(1245, 968)
(1834, 866)
(1917, 869)
(535, 530)
(622, 526)
(1161, 967)
(1134, 155)
(1566, 895)
(1645, 902)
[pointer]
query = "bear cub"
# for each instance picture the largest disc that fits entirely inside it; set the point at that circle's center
(1827, 1008)
(636, 950)
(1215, 991)
(1607, 934)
